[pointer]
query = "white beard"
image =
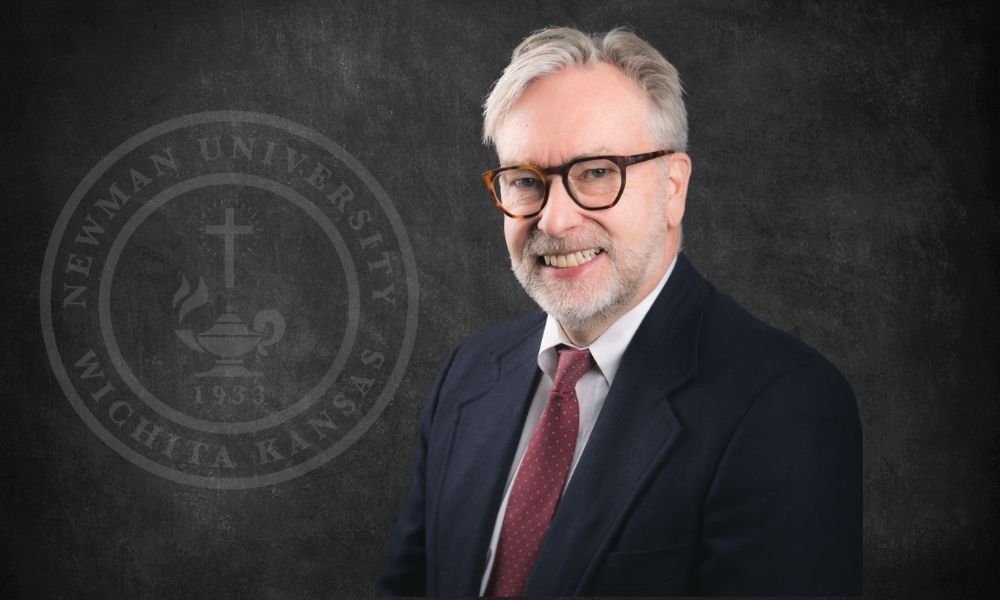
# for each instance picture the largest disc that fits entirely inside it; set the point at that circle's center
(579, 305)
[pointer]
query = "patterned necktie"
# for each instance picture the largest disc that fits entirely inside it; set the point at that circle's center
(540, 479)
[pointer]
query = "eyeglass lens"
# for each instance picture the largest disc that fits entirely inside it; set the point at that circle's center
(593, 183)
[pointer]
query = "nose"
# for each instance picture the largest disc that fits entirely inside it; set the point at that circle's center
(560, 214)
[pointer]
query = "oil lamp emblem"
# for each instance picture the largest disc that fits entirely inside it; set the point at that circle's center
(229, 338)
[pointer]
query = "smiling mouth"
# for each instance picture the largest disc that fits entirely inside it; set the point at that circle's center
(573, 259)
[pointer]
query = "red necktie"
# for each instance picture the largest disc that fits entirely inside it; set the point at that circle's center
(540, 479)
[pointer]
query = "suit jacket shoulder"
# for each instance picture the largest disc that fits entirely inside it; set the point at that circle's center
(479, 360)
(739, 351)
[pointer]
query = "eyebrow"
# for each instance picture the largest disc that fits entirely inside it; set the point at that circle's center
(601, 151)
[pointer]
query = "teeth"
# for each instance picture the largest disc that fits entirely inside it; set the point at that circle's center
(571, 260)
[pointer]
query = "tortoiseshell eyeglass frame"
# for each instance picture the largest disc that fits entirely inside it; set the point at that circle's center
(563, 170)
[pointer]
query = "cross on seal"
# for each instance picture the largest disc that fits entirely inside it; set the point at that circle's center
(229, 230)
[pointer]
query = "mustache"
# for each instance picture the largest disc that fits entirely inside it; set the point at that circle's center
(538, 243)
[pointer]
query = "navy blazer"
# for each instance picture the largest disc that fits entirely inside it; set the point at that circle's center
(726, 461)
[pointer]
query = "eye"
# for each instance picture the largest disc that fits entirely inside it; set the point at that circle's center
(594, 170)
(526, 183)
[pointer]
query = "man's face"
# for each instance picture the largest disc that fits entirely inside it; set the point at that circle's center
(619, 253)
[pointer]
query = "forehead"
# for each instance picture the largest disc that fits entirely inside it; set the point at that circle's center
(577, 111)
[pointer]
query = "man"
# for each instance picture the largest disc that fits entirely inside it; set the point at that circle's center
(644, 435)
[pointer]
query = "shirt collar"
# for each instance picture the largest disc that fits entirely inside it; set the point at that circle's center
(607, 349)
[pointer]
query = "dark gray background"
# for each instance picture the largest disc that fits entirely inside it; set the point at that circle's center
(842, 191)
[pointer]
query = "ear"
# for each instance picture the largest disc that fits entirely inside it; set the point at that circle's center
(678, 177)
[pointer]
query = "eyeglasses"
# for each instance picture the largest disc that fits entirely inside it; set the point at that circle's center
(593, 182)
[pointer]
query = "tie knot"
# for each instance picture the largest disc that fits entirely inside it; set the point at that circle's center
(573, 363)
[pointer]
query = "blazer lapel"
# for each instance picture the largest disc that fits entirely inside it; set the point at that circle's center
(485, 435)
(631, 439)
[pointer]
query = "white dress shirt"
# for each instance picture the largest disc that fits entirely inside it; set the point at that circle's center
(591, 390)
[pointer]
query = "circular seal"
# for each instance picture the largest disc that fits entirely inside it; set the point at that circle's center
(229, 299)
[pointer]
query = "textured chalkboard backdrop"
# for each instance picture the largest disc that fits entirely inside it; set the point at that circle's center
(842, 191)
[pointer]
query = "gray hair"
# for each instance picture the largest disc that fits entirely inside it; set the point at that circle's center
(549, 50)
